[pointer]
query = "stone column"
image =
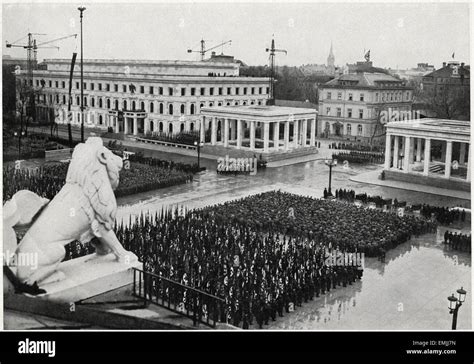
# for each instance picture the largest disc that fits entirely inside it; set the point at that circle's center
(448, 160)
(146, 125)
(135, 126)
(234, 130)
(239, 133)
(286, 135)
(213, 130)
(266, 137)
(226, 132)
(117, 124)
(406, 156)
(411, 156)
(418, 149)
(252, 135)
(276, 135)
(462, 153)
(388, 151)
(395, 151)
(468, 177)
(426, 162)
(295, 133)
(305, 132)
(125, 125)
(202, 130)
(312, 140)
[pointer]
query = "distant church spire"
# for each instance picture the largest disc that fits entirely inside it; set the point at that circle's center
(331, 58)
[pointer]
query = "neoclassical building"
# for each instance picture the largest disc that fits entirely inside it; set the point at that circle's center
(429, 151)
(136, 97)
(266, 129)
(351, 105)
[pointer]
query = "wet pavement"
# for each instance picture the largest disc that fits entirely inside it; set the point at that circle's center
(407, 292)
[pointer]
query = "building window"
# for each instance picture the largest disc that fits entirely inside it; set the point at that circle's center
(116, 104)
(236, 103)
(151, 90)
(134, 105)
(361, 97)
(268, 90)
(57, 99)
(160, 91)
(124, 88)
(160, 126)
(92, 102)
(64, 99)
(349, 129)
(170, 109)
(100, 119)
(245, 90)
(203, 91)
(361, 114)
(142, 106)
(237, 90)
(228, 104)
(161, 109)
(100, 102)
(260, 90)
(193, 91)
(85, 85)
(328, 96)
(221, 91)
(359, 130)
(56, 83)
(350, 97)
(170, 127)
(192, 110)
(338, 112)
(211, 104)
(124, 104)
(152, 107)
(92, 86)
(181, 127)
(252, 90)
(229, 91)
(183, 91)
(191, 126)
(349, 113)
(181, 109)
(78, 86)
(50, 83)
(376, 97)
(99, 85)
(339, 95)
(85, 101)
(211, 91)
(78, 100)
(142, 89)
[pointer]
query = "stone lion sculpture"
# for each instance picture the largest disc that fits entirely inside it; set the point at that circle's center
(83, 209)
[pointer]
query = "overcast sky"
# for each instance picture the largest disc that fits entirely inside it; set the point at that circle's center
(397, 34)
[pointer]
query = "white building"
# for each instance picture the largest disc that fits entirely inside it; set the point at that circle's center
(429, 151)
(136, 97)
(266, 129)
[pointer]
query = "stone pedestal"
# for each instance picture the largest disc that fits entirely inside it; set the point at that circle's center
(89, 276)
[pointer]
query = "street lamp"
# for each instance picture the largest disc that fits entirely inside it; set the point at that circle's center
(198, 146)
(330, 163)
(81, 10)
(455, 303)
(19, 135)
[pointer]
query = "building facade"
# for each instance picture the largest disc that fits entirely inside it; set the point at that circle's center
(352, 105)
(429, 151)
(139, 97)
(453, 75)
(259, 128)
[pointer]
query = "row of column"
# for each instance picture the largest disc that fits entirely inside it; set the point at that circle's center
(422, 144)
(300, 131)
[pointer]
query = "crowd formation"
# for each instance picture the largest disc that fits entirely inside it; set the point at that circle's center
(360, 157)
(444, 215)
(144, 174)
(267, 253)
(355, 147)
(458, 241)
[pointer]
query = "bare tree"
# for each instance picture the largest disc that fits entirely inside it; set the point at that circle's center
(449, 102)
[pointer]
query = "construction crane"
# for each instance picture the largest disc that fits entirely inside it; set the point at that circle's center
(272, 51)
(203, 49)
(31, 53)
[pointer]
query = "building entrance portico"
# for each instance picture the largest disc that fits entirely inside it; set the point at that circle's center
(128, 122)
(259, 128)
(432, 148)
